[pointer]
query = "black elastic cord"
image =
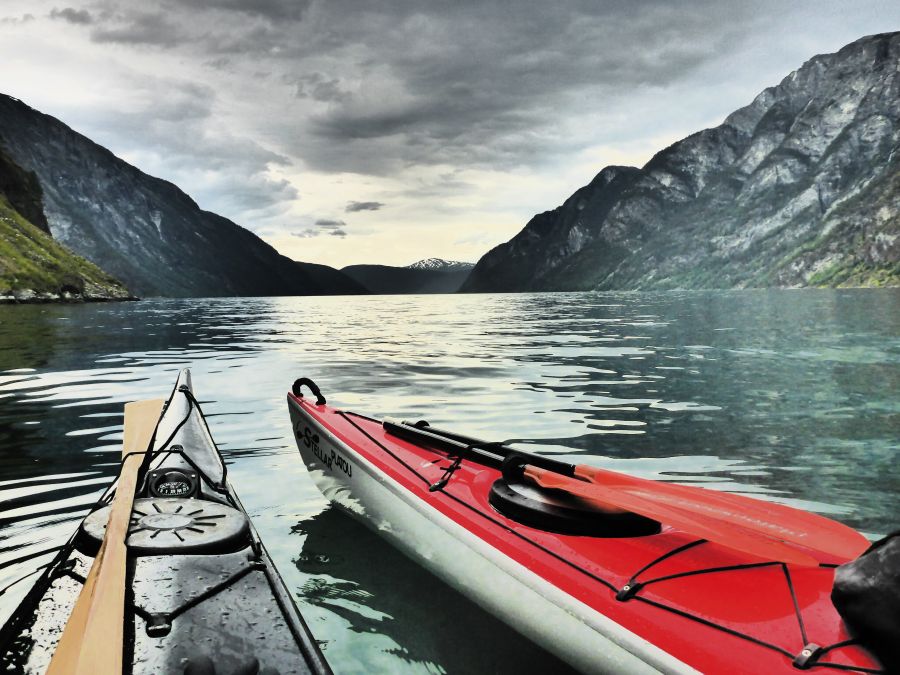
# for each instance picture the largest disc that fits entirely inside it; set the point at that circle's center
(196, 600)
(448, 474)
(22, 578)
(797, 612)
(346, 416)
(707, 622)
(711, 570)
(666, 556)
(196, 404)
(29, 556)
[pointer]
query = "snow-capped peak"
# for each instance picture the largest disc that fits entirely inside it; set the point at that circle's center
(440, 264)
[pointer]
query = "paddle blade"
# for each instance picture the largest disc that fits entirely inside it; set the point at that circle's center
(713, 530)
(92, 640)
(765, 518)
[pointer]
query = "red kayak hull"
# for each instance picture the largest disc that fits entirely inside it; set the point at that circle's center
(709, 608)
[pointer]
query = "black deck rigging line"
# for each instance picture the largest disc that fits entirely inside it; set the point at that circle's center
(711, 570)
(69, 572)
(346, 415)
(665, 556)
(844, 666)
(23, 578)
(28, 556)
(448, 474)
(790, 585)
(195, 403)
(815, 664)
(838, 645)
(707, 622)
(197, 599)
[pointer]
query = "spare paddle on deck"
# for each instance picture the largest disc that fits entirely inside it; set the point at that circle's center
(712, 529)
(92, 640)
(709, 508)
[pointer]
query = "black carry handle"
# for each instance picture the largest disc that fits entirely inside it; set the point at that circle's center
(297, 389)
(509, 460)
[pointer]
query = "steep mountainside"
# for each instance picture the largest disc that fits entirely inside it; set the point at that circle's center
(145, 230)
(432, 275)
(799, 188)
(32, 265)
(23, 192)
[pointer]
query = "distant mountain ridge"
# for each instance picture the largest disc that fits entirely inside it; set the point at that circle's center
(144, 230)
(431, 275)
(441, 265)
(799, 188)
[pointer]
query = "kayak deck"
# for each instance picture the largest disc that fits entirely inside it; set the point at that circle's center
(203, 593)
(712, 608)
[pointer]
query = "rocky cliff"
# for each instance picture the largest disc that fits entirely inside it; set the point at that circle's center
(144, 230)
(33, 267)
(799, 188)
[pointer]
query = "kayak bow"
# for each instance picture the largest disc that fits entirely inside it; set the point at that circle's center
(202, 594)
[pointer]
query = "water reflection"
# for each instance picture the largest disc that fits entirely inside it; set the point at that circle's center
(376, 591)
(790, 395)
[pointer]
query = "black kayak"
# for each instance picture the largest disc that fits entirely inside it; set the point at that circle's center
(202, 593)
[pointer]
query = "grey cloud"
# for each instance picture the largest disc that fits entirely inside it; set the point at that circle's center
(318, 87)
(140, 28)
(219, 63)
(168, 135)
(72, 15)
(269, 9)
(334, 228)
(474, 83)
(15, 20)
(353, 207)
(486, 84)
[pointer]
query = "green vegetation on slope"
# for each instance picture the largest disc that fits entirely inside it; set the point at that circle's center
(34, 266)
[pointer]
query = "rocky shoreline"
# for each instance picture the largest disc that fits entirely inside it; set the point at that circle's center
(28, 296)
(53, 299)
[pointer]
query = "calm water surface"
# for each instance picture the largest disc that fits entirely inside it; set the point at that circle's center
(790, 395)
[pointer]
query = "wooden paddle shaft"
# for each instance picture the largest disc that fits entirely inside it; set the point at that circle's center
(92, 641)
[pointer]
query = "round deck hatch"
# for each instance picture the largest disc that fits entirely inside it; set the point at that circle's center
(161, 526)
(556, 511)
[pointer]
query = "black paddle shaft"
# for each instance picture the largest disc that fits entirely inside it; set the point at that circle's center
(509, 460)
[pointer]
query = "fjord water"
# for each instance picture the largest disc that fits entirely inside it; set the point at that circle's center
(788, 395)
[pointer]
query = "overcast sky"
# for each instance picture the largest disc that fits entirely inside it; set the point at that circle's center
(346, 131)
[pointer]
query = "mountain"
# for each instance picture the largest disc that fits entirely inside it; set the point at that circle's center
(799, 188)
(432, 275)
(144, 230)
(441, 265)
(32, 265)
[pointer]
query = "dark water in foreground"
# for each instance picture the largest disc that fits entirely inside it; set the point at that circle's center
(792, 395)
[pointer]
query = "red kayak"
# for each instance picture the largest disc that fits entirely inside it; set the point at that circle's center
(606, 589)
